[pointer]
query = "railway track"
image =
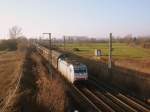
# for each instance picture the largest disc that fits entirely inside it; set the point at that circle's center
(87, 100)
(133, 97)
(125, 102)
(94, 99)
(101, 99)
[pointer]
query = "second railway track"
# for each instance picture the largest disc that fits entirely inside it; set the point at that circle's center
(118, 101)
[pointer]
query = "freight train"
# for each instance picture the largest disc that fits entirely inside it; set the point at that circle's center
(72, 70)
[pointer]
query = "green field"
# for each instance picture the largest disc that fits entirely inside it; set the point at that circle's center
(120, 50)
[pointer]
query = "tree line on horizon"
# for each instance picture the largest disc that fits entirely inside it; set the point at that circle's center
(15, 33)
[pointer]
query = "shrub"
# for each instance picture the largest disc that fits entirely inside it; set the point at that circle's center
(22, 44)
(10, 44)
(146, 45)
(76, 49)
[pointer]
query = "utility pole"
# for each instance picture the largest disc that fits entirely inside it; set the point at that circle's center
(110, 54)
(64, 43)
(50, 54)
(54, 43)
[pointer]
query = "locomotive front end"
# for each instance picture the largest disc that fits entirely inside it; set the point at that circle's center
(80, 72)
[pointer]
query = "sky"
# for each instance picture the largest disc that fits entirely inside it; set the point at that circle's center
(93, 18)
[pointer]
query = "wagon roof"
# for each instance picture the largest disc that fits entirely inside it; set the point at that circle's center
(56, 53)
(64, 56)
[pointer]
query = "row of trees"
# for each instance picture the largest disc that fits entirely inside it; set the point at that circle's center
(16, 37)
(126, 39)
(15, 32)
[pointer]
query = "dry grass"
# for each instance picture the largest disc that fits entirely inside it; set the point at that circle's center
(137, 65)
(37, 92)
(51, 95)
(10, 66)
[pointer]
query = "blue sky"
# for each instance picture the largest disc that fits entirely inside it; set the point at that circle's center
(76, 17)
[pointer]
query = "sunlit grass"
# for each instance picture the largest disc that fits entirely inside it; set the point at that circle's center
(120, 50)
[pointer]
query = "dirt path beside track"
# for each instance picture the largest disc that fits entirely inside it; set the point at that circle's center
(10, 73)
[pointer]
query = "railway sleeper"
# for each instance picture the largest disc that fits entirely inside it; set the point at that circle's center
(115, 99)
(109, 102)
(133, 103)
(105, 107)
(87, 99)
(127, 100)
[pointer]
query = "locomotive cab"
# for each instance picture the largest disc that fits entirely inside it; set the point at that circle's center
(80, 72)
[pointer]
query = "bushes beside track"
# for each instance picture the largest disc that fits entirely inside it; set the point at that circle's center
(10, 45)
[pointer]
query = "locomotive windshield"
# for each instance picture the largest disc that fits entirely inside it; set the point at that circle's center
(80, 70)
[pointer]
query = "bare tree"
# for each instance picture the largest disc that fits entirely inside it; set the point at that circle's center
(15, 32)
